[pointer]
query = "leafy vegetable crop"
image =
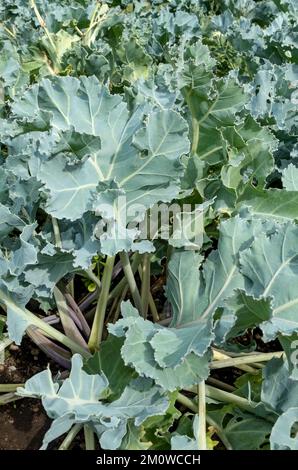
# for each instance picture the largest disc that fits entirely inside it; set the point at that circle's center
(185, 338)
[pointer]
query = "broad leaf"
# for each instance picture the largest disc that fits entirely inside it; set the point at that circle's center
(242, 311)
(195, 295)
(284, 432)
(278, 390)
(277, 204)
(241, 430)
(144, 350)
(271, 265)
(109, 362)
(81, 399)
(290, 178)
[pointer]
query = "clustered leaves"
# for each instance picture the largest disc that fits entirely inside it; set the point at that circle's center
(162, 101)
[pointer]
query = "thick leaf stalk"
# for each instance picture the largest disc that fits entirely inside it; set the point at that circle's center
(98, 322)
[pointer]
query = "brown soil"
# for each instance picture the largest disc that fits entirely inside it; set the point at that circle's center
(23, 425)
(22, 422)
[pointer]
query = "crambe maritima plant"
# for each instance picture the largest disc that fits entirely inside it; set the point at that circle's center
(148, 219)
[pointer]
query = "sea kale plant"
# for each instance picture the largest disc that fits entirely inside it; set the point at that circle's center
(148, 218)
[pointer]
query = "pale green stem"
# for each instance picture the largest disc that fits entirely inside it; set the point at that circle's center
(226, 397)
(250, 359)
(131, 281)
(195, 135)
(42, 23)
(220, 432)
(118, 289)
(145, 289)
(99, 317)
(70, 288)
(6, 388)
(246, 368)
(93, 277)
(56, 230)
(118, 308)
(113, 308)
(89, 437)
(220, 357)
(121, 285)
(70, 436)
(96, 26)
(50, 68)
(78, 31)
(67, 322)
(93, 17)
(33, 320)
(151, 302)
(187, 402)
(193, 407)
(221, 395)
(97, 16)
(8, 398)
(257, 365)
(8, 31)
(4, 343)
(153, 309)
(202, 442)
(219, 384)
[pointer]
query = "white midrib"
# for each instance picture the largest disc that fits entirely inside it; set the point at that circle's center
(274, 213)
(268, 214)
(76, 188)
(95, 165)
(227, 281)
(210, 152)
(215, 300)
(149, 159)
(217, 297)
(276, 274)
(293, 181)
(209, 110)
(283, 307)
(118, 146)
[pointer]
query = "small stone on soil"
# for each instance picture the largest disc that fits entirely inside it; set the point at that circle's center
(34, 352)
